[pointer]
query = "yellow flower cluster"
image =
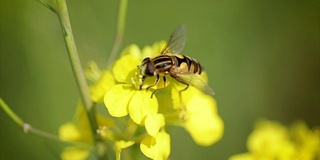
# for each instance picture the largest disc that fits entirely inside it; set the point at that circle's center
(142, 119)
(272, 141)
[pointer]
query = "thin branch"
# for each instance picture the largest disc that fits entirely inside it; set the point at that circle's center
(47, 5)
(10, 113)
(119, 33)
(27, 128)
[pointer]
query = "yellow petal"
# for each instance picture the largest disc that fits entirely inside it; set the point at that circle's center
(272, 140)
(76, 132)
(181, 99)
(99, 89)
(141, 104)
(268, 138)
(158, 47)
(176, 97)
(79, 130)
(154, 50)
(119, 145)
(117, 100)
(69, 132)
(74, 153)
(133, 50)
(157, 148)
(124, 66)
(123, 144)
(164, 100)
(243, 156)
(147, 147)
(92, 72)
(203, 123)
(153, 123)
(147, 51)
(307, 140)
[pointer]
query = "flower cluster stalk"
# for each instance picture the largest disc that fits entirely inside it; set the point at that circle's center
(119, 32)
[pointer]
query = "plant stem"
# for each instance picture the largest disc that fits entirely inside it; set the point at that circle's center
(63, 15)
(10, 113)
(27, 128)
(119, 32)
(62, 12)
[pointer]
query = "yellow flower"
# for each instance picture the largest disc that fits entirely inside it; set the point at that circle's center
(136, 117)
(158, 147)
(188, 110)
(126, 98)
(102, 81)
(272, 141)
(201, 110)
(120, 145)
(198, 108)
(79, 131)
(99, 89)
(307, 141)
(122, 100)
(72, 153)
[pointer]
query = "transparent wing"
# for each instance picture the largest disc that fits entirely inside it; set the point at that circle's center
(195, 81)
(177, 41)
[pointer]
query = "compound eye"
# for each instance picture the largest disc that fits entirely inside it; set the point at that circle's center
(146, 60)
(150, 69)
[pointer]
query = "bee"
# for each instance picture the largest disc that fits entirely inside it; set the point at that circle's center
(184, 69)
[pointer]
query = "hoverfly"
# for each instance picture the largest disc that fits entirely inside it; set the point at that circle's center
(183, 68)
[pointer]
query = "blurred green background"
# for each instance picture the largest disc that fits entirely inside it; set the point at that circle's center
(262, 58)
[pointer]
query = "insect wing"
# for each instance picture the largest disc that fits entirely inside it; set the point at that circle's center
(196, 81)
(177, 41)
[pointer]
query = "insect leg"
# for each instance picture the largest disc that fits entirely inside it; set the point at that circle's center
(155, 82)
(185, 88)
(143, 78)
(183, 82)
(164, 85)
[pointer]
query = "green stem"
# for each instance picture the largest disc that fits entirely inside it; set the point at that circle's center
(119, 33)
(27, 128)
(63, 15)
(10, 113)
(62, 12)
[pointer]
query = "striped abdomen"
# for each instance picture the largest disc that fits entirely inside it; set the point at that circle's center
(187, 64)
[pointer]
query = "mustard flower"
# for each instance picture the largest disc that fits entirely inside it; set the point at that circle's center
(157, 147)
(126, 98)
(273, 141)
(79, 130)
(198, 108)
(166, 107)
(136, 118)
(102, 81)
